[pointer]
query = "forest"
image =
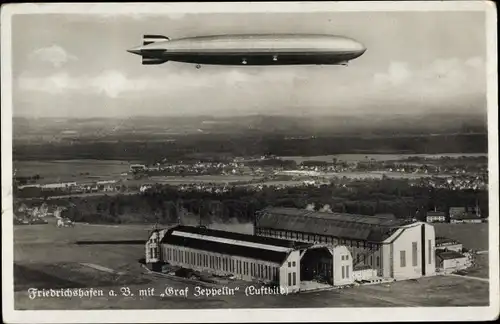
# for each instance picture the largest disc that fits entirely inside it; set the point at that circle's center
(207, 147)
(165, 204)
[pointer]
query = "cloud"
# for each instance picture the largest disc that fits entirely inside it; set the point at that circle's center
(441, 76)
(54, 54)
(114, 84)
(398, 73)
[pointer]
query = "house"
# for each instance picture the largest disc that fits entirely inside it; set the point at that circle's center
(460, 215)
(435, 217)
(450, 261)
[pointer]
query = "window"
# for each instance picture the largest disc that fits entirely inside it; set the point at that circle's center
(430, 251)
(414, 254)
(343, 272)
(342, 257)
(378, 261)
(294, 278)
(289, 279)
(261, 274)
(347, 257)
(357, 244)
(151, 252)
(186, 256)
(358, 258)
(289, 264)
(293, 264)
(371, 259)
(347, 271)
(402, 257)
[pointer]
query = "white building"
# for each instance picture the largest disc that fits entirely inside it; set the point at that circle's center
(446, 244)
(459, 215)
(248, 257)
(435, 217)
(451, 261)
(364, 273)
(398, 249)
(62, 185)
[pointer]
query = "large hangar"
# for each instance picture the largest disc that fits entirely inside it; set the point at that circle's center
(249, 257)
(395, 248)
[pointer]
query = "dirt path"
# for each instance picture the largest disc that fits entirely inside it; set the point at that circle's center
(469, 277)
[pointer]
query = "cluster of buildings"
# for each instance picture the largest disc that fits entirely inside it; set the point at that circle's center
(463, 182)
(451, 256)
(76, 187)
(456, 215)
(198, 168)
(303, 249)
(25, 215)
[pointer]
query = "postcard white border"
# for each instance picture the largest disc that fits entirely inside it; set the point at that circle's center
(247, 315)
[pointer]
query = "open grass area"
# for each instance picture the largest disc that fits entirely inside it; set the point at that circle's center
(48, 257)
(481, 268)
(71, 170)
(472, 236)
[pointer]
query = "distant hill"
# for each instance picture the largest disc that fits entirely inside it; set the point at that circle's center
(52, 130)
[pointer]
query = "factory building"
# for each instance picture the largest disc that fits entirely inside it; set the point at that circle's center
(251, 258)
(397, 249)
(447, 244)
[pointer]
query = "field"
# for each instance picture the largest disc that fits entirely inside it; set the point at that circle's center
(472, 236)
(48, 257)
(71, 170)
(175, 180)
(376, 157)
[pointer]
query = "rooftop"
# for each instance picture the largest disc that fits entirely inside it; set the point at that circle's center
(341, 225)
(249, 246)
(445, 240)
(449, 255)
(436, 213)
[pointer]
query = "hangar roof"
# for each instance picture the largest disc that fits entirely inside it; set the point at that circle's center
(341, 225)
(249, 246)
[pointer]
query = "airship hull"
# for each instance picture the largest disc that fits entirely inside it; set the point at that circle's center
(252, 50)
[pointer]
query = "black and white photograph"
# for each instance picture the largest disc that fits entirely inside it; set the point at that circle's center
(249, 162)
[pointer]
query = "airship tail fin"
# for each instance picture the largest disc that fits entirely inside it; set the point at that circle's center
(149, 39)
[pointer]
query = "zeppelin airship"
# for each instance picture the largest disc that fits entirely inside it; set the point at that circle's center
(275, 49)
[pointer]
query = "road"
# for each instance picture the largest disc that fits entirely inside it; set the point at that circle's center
(83, 195)
(469, 277)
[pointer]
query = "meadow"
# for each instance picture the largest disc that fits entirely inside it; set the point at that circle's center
(71, 170)
(49, 257)
(472, 236)
(375, 157)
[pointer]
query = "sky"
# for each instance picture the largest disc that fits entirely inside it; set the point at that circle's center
(73, 65)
